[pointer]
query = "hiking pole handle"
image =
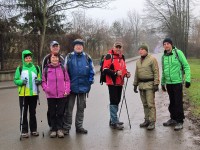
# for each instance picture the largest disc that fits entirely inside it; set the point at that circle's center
(38, 92)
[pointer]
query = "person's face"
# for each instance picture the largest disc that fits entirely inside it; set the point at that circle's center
(54, 60)
(167, 46)
(28, 59)
(78, 48)
(55, 48)
(142, 52)
(118, 49)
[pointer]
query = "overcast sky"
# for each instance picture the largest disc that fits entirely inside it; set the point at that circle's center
(117, 9)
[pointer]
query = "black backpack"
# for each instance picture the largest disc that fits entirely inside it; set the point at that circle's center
(102, 73)
(46, 70)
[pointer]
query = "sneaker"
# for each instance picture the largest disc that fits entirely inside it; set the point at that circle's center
(178, 126)
(35, 133)
(53, 134)
(60, 134)
(110, 123)
(151, 126)
(170, 122)
(117, 126)
(66, 131)
(24, 135)
(145, 124)
(81, 131)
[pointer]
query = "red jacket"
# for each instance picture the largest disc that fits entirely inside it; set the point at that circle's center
(119, 64)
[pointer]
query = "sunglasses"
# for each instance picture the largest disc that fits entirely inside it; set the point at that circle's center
(118, 46)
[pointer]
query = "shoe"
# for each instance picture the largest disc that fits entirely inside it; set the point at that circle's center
(151, 126)
(120, 123)
(81, 131)
(60, 134)
(170, 122)
(35, 133)
(117, 126)
(145, 124)
(53, 134)
(24, 135)
(178, 126)
(66, 132)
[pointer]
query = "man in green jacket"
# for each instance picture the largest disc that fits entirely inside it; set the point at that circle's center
(147, 78)
(174, 67)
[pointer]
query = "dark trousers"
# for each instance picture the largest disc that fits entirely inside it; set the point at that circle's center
(115, 93)
(56, 111)
(175, 92)
(30, 102)
(48, 117)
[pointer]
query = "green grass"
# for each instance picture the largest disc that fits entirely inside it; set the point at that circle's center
(194, 91)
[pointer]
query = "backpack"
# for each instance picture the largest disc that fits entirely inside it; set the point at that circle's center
(37, 69)
(102, 73)
(182, 68)
(46, 70)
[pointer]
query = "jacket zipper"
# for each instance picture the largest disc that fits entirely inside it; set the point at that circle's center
(169, 68)
(56, 83)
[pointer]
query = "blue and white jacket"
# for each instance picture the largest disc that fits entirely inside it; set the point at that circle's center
(81, 71)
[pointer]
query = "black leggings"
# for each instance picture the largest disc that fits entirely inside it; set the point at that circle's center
(115, 93)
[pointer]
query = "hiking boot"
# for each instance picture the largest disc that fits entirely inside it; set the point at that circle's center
(66, 132)
(178, 126)
(24, 135)
(60, 134)
(170, 122)
(117, 126)
(151, 126)
(53, 134)
(35, 133)
(81, 131)
(145, 123)
(120, 123)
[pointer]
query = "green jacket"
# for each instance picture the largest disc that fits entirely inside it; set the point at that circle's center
(171, 66)
(30, 72)
(146, 73)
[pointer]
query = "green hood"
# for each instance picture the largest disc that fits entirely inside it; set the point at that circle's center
(27, 52)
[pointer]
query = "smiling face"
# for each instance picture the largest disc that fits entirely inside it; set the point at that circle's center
(78, 48)
(28, 59)
(118, 49)
(55, 48)
(54, 59)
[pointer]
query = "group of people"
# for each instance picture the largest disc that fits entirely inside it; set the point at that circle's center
(68, 79)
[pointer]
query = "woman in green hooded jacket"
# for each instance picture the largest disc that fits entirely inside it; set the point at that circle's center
(27, 78)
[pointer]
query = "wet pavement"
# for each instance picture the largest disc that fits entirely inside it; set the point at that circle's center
(100, 136)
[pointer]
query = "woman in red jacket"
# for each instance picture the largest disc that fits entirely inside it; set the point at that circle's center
(115, 69)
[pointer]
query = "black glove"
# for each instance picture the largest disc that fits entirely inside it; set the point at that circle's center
(135, 89)
(163, 88)
(24, 82)
(155, 87)
(37, 82)
(187, 84)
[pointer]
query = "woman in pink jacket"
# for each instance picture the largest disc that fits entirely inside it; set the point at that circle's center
(56, 85)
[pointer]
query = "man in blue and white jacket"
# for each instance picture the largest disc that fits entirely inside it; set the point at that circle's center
(81, 72)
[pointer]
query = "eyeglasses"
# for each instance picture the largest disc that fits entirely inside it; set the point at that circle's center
(55, 45)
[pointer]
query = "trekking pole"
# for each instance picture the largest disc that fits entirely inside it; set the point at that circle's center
(22, 113)
(38, 91)
(124, 90)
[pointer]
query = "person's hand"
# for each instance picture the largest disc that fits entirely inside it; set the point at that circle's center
(135, 89)
(155, 87)
(24, 82)
(187, 84)
(65, 94)
(37, 82)
(163, 88)
(128, 75)
(119, 73)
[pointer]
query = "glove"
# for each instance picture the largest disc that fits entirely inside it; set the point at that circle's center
(37, 82)
(187, 84)
(24, 82)
(155, 87)
(163, 88)
(135, 89)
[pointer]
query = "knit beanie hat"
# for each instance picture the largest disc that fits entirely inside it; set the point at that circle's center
(143, 46)
(78, 41)
(167, 40)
